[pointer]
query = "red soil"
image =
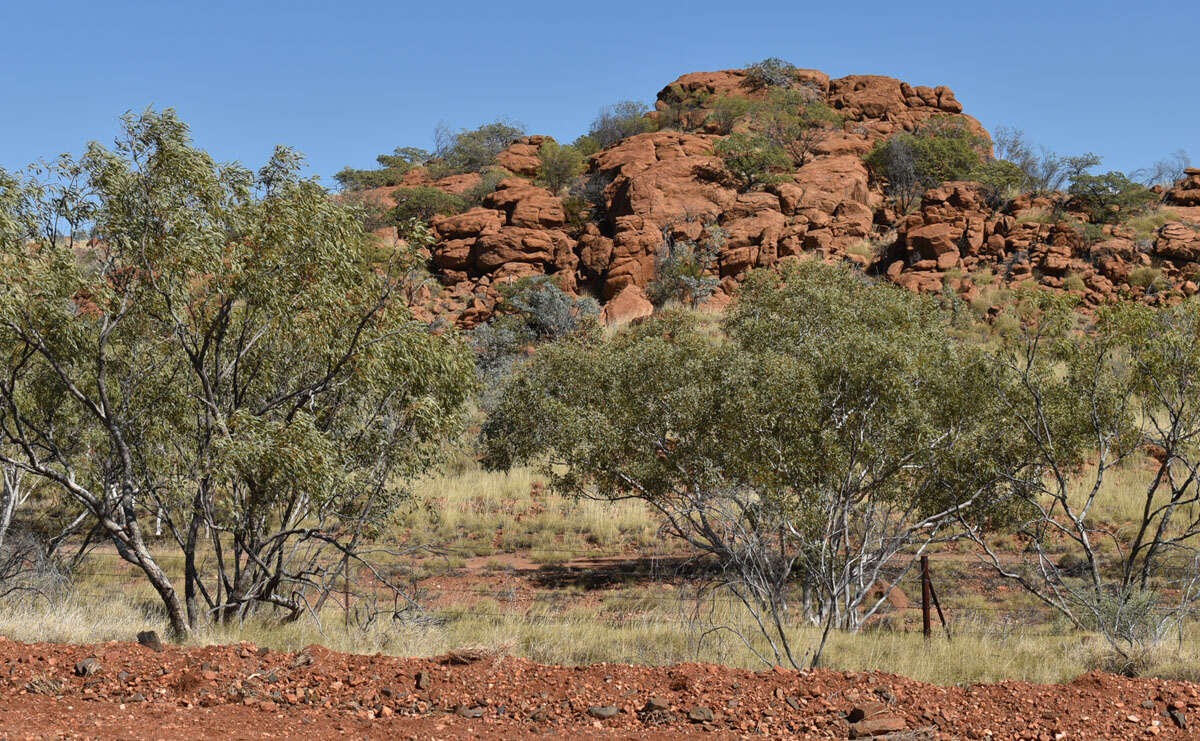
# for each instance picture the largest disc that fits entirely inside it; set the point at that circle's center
(242, 692)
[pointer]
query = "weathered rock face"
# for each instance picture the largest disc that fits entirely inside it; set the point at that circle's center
(955, 233)
(661, 180)
(517, 232)
(1187, 191)
(671, 184)
(521, 157)
(630, 304)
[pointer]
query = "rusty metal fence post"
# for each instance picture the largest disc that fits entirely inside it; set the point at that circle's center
(929, 597)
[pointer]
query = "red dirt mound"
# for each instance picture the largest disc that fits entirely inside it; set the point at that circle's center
(124, 690)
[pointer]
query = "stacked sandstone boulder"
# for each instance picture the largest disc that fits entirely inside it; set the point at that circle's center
(671, 184)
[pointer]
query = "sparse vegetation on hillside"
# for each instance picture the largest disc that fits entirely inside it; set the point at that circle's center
(1110, 197)
(940, 150)
(424, 202)
(771, 72)
(614, 123)
(395, 166)
(472, 150)
(560, 165)
(753, 160)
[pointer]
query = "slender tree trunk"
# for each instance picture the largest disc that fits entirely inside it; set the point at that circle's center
(8, 503)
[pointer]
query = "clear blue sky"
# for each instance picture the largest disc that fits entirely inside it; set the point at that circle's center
(344, 81)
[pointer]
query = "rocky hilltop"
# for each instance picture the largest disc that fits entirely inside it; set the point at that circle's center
(670, 184)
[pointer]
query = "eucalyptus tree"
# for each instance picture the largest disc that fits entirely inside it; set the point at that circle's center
(220, 348)
(835, 431)
(1087, 406)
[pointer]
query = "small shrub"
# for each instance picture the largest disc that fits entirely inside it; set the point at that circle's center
(616, 122)
(684, 110)
(940, 150)
(472, 150)
(532, 311)
(1001, 181)
(1147, 277)
(576, 210)
(487, 185)
(683, 270)
(728, 110)
(395, 166)
(1090, 233)
(591, 189)
(1111, 197)
(771, 72)
(752, 159)
(424, 202)
(560, 165)
(1074, 283)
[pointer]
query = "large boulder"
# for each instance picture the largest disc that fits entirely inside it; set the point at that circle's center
(521, 157)
(630, 304)
(1186, 192)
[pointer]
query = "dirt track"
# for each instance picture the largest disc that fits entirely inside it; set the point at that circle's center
(129, 691)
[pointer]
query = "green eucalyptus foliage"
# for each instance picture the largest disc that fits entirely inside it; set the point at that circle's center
(226, 346)
(615, 122)
(752, 159)
(424, 202)
(394, 167)
(1110, 197)
(834, 413)
(940, 150)
(559, 167)
(473, 150)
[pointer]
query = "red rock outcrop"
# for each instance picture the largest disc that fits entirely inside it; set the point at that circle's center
(1187, 191)
(955, 233)
(670, 183)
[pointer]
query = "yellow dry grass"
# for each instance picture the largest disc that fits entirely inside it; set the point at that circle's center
(981, 651)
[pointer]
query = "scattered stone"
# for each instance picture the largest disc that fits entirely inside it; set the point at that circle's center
(603, 712)
(877, 726)
(263, 651)
(656, 703)
(865, 710)
(136, 697)
(700, 714)
(387, 692)
(1178, 718)
(422, 680)
(123, 676)
(150, 640)
(793, 702)
(466, 712)
(87, 667)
